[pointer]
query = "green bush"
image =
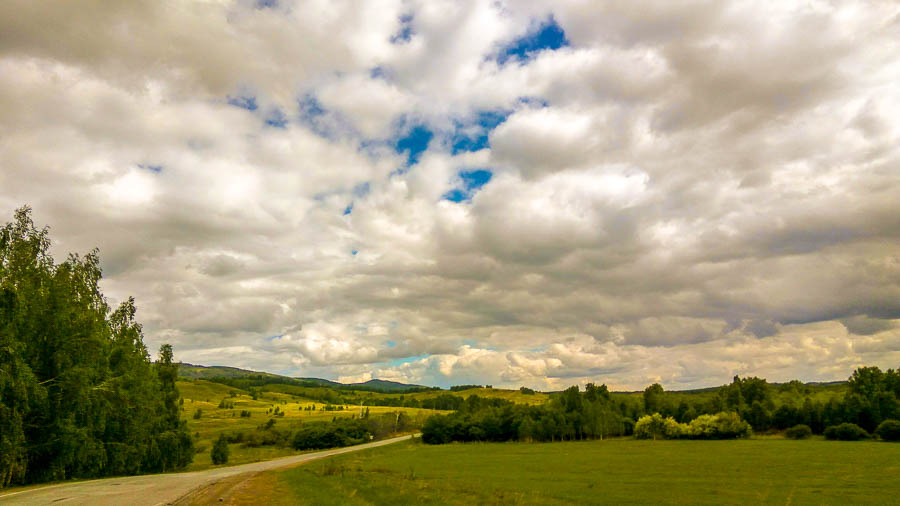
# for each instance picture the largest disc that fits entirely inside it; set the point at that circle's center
(889, 430)
(656, 426)
(799, 431)
(723, 425)
(220, 451)
(846, 432)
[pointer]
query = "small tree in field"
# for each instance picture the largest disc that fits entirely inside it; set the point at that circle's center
(220, 451)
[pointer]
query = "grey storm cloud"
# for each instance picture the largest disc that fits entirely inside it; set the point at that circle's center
(684, 192)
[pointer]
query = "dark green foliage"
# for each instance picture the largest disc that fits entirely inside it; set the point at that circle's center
(526, 391)
(220, 451)
(798, 431)
(846, 432)
(653, 398)
(889, 430)
(570, 415)
(198, 414)
(79, 396)
(340, 432)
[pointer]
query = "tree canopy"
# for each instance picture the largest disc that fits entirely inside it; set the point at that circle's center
(79, 395)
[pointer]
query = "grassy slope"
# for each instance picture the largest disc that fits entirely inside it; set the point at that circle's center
(206, 396)
(620, 471)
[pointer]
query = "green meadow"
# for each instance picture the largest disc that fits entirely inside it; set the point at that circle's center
(616, 471)
(206, 396)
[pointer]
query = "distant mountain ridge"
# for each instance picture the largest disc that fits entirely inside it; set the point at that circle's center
(195, 371)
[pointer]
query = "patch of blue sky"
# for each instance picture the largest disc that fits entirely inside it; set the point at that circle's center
(266, 4)
(405, 33)
(475, 137)
(378, 72)
(405, 360)
(244, 102)
(390, 344)
(152, 168)
(548, 36)
(275, 118)
(359, 191)
(354, 252)
(472, 181)
(314, 116)
(362, 189)
(414, 143)
(272, 338)
(536, 102)
(310, 107)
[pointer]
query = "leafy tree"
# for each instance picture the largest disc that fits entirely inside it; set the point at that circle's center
(78, 394)
(220, 451)
(653, 398)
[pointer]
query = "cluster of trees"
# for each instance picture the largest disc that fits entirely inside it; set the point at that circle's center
(871, 397)
(724, 425)
(732, 411)
(79, 396)
(571, 415)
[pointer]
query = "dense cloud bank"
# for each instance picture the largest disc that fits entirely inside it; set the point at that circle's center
(480, 192)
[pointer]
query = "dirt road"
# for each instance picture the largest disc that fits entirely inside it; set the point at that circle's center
(159, 488)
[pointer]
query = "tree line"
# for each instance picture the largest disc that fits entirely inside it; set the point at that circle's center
(869, 397)
(79, 395)
(870, 402)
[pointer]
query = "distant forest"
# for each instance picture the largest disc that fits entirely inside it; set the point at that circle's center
(79, 396)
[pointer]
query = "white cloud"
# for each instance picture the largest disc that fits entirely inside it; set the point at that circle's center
(688, 192)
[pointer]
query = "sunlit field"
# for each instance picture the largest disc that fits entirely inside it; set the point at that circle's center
(618, 471)
(206, 396)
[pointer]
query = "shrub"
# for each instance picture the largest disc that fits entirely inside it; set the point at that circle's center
(655, 426)
(220, 451)
(846, 432)
(889, 430)
(799, 431)
(198, 414)
(722, 425)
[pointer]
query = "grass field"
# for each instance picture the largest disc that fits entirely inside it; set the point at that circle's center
(618, 471)
(206, 396)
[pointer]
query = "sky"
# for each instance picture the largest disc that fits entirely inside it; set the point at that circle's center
(489, 192)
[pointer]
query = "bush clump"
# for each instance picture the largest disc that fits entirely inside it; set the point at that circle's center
(220, 451)
(345, 432)
(846, 432)
(799, 431)
(722, 425)
(889, 430)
